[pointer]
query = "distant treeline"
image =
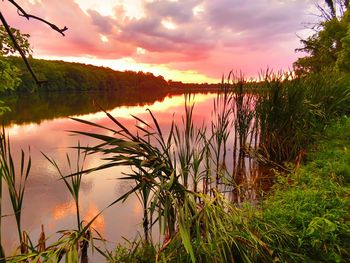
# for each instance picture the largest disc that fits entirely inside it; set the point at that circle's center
(65, 76)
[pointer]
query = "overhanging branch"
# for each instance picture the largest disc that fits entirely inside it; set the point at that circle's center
(23, 13)
(19, 49)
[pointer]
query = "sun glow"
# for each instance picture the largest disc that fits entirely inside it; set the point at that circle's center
(197, 10)
(140, 51)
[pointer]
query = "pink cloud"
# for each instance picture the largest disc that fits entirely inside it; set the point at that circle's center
(82, 37)
(224, 35)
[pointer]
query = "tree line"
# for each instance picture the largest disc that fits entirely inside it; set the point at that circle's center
(67, 76)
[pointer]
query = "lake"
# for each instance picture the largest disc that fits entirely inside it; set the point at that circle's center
(42, 122)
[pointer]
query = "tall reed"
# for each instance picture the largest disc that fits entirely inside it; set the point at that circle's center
(73, 179)
(154, 169)
(75, 241)
(15, 183)
(220, 131)
(167, 169)
(291, 111)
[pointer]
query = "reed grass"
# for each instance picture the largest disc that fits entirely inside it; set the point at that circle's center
(166, 192)
(73, 244)
(15, 182)
(73, 179)
(181, 178)
(292, 111)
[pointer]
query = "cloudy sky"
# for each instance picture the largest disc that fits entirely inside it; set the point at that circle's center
(188, 40)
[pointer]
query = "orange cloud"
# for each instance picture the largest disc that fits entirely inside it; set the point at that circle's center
(63, 210)
(99, 222)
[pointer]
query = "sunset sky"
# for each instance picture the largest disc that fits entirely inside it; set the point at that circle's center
(188, 40)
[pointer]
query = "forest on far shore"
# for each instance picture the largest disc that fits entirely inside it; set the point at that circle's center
(66, 76)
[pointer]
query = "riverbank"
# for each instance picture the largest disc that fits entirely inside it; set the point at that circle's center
(312, 203)
(305, 218)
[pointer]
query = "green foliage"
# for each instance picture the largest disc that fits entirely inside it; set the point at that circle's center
(70, 246)
(328, 48)
(9, 74)
(62, 76)
(220, 232)
(6, 45)
(343, 63)
(217, 232)
(313, 202)
(292, 112)
(136, 251)
(195, 221)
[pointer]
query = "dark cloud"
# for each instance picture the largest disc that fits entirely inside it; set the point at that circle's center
(231, 23)
(104, 23)
(179, 11)
(255, 23)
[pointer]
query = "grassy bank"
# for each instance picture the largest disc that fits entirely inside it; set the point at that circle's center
(304, 219)
(313, 202)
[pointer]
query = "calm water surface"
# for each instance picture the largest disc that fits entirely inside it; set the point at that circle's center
(47, 201)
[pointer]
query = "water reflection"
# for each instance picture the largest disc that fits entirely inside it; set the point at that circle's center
(37, 107)
(47, 201)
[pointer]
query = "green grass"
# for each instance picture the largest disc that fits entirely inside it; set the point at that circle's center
(304, 219)
(313, 202)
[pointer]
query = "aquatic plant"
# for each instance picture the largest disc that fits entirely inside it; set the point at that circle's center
(73, 179)
(15, 183)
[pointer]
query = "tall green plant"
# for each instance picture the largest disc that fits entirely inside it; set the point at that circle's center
(153, 166)
(15, 182)
(73, 179)
(190, 144)
(76, 241)
(220, 130)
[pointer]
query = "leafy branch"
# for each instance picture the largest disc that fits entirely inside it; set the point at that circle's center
(23, 13)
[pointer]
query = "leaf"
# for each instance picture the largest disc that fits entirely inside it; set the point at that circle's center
(72, 255)
(185, 236)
